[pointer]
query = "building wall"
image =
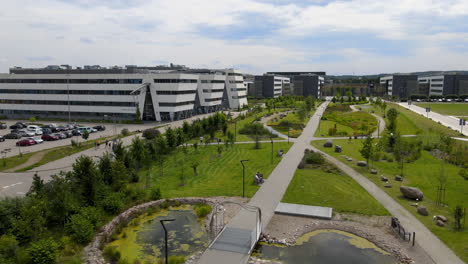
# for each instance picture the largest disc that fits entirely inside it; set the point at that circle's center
(235, 90)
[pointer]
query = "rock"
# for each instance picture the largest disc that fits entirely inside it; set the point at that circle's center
(415, 204)
(411, 193)
(388, 186)
(338, 149)
(362, 163)
(398, 178)
(349, 159)
(441, 218)
(383, 178)
(373, 171)
(423, 211)
(440, 223)
(328, 144)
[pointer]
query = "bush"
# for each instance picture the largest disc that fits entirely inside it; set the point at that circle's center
(93, 215)
(44, 251)
(390, 159)
(111, 253)
(74, 143)
(80, 228)
(164, 205)
(314, 158)
(32, 119)
(125, 132)
(151, 133)
(134, 178)
(254, 129)
(301, 165)
(155, 193)
(8, 246)
(113, 203)
(464, 173)
(202, 210)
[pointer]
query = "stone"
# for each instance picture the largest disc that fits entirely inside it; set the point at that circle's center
(373, 171)
(349, 159)
(328, 144)
(338, 149)
(388, 186)
(440, 223)
(383, 178)
(412, 193)
(441, 218)
(398, 178)
(423, 211)
(415, 204)
(362, 163)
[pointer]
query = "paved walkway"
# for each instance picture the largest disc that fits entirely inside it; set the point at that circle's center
(433, 246)
(268, 196)
(447, 121)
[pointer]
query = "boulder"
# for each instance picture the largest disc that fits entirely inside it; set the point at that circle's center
(423, 211)
(388, 186)
(411, 193)
(338, 149)
(441, 218)
(415, 204)
(373, 171)
(440, 223)
(328, 144)
(349, 159)
(398, 178)
(383, 178)
(362, 163)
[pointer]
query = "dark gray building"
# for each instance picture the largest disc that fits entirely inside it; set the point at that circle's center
(304, 83)
(447, 84)
(269, 86)
(400, 85)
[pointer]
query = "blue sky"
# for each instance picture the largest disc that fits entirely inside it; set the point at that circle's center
(339, 37)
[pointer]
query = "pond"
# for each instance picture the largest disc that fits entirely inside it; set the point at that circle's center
(143, 239)
(327, 246)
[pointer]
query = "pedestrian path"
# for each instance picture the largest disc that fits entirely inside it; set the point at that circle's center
(267, 197)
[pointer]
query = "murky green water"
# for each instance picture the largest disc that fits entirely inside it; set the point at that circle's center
(145, 241)
(327, 247)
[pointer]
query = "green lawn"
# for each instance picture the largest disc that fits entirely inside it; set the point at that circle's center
(423, 174)
(453, 109)
(336, 190)
(14, 161)
(325, 125)
(347, 123)
(217, 176)
(296, 127)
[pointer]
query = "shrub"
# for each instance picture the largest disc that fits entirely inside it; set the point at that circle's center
(85, 135)
(202, 210)
(464, 173)
(314, 158)
(125, 132)
(111, 253)
(301, 165)
(390, 159)
(74, 143)
(164, 205)
(32, 119)
(134, 178)
(80, 228)
(151, 133)
(155, 193)
(254, 129)
(113, 203)
(8, 246)
(332, 131)
(44, 251)
(93, 215)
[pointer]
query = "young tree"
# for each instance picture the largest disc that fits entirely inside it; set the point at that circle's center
(367, 149)
(458, 215)
(85, 135)
(392, 116)
(105, 168)
(37, 186)
(44, 251)
(138, 151)
(85, 178)
(171, 138)
(349, 95)
(119, 151)
(194, 167)
(383, 106)
(119, 175)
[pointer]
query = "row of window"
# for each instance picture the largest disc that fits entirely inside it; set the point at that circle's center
(437, 80)
(235, 74)
(47, 102)
(239, 97)
(277, 84)
(177, 104)
(79, 81)
(61, 113)
(212, 90)
(213, 99)
(436, 85)
(83, 92)
(175, 81)
(175, 92)
(236, 81)
(436, 91)
(238, 89)
(212, 81)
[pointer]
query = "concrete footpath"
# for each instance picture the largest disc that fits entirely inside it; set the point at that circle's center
(268, 196)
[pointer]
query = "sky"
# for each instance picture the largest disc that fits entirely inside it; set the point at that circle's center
(339, 37)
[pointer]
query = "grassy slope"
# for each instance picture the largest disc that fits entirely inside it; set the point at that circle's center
(422, 174)
(14, 161)
(455, 109)
(341, 192)
(293, 118)
(217, 176)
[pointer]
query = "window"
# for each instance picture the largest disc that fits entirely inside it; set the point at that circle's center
(238, 89)
(277, 84)
(212, 90)
(176, 104)
(236, 81)
(436, 85)
(79, 92)
(437, 80)
(48, 102)
(213, 99)
(234, 74)
(74, 81)
(175, 81)
(175, 92)
(213, 81)
(239, 97)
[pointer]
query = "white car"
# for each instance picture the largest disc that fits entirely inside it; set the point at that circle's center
(449, 100)
(89, 129)
(36, 129)
(38, 140)
(26, 133)
(466, 99)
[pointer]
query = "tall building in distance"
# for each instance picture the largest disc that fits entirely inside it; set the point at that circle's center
(157, 93)
(447, 84)
(269, 86)
(304, 83)
(399, 85)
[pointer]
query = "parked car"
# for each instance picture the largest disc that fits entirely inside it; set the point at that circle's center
(12, 136)
(2, 139)
(36, 129)
(60, 135)
(62, 128)
(26, 142)
(50, 137)
(76, 132)
(89, 129)
(37, 139)
(69, 134)
(52, 127)
(46, 131)
(3, 126)
(18, 125)
(100, 128)
(26, 133)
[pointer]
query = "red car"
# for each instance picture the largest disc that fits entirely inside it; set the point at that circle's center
(26, 142)
(49, 137)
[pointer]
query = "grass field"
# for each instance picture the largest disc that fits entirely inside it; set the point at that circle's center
(14, 161)
(296, 125)
(217, 176)
(422, 174)
(320, 188)
(453, 109)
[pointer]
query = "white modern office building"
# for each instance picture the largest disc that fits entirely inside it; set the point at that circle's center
(434, 84)
(97, 93)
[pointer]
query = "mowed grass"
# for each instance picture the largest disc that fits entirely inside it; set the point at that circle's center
(11, 162)
(297, 126)
(453, 109)
(325, 125)
(217, 175)
(422, 174)
(336, 190)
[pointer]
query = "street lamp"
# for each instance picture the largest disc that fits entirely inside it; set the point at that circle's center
(243, 177)
(165, 234)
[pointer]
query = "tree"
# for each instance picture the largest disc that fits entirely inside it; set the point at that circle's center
(180, 137)
(80, 228)
(309, 103)
(349, 95)
(302, 113)
(137, 113)
(194, 167)
(367, 148)
(85, 177)
(44, 251)
(8, 246)
(392, 116)
(186, 129)
(458, 215)
(138, 151)
(150, 133)
(105, 168)
(31, 222)
(383, 106)
(171, 138)
(119, 175)
(85, 135)
(119, 151)
(37, 186)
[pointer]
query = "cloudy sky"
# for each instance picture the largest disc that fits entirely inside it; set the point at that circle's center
(339, 37)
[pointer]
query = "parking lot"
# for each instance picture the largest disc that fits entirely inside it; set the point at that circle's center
(111, 129)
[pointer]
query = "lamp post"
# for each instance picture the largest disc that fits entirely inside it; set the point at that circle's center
(271, 139)
(243, 177)
(378, 128)
(165, 235)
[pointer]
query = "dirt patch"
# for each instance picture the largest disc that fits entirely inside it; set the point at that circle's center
(31, 161)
